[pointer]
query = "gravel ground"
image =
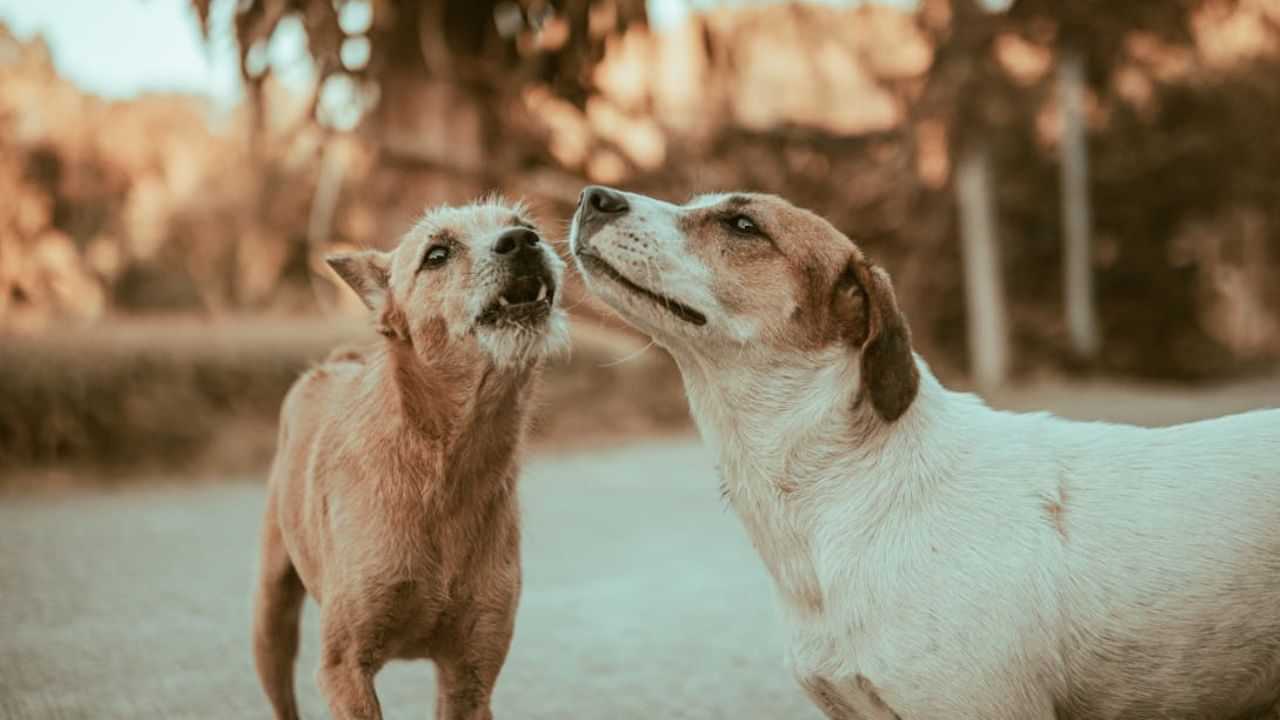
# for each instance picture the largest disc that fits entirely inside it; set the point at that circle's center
(642, 599)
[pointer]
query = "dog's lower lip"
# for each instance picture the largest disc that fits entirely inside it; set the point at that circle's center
(680, 310)
(521, 306)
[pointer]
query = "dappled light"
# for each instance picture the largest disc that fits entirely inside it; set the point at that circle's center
(357, 115)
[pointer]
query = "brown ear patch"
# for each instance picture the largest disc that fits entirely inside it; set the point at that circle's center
(889, 374)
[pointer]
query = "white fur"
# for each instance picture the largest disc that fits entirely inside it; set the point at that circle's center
(942, 574)
(648, 247)
(967, 563)
(515, 346)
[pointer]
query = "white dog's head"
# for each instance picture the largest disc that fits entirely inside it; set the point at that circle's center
(745, 276)
(477, 275)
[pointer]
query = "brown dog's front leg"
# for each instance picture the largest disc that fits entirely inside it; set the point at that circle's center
(346, 675)
(349, 690)
(467, 669)
(463, 691)
(828, 700)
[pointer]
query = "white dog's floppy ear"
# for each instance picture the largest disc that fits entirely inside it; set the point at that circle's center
(368, 272)
(878, 328)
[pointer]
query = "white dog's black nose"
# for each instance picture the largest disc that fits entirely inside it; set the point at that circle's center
(603, 201)
(517, 240)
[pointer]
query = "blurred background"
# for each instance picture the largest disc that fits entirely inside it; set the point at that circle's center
(1079, 203)
(1071, 190)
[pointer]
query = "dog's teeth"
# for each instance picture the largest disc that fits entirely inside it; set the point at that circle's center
(542, 291)
(503, 301)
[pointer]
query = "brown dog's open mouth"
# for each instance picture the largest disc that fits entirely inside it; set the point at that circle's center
(525, 300)
(680, 310)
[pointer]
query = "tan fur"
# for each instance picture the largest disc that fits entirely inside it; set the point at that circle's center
(794, 284)
(801, 263)
(392, 497)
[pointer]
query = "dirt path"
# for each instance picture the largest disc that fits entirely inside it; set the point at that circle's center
(642, 600)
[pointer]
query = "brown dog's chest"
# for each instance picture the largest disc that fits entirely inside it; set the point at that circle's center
(427, 620)
(424, 605)
(450, 571)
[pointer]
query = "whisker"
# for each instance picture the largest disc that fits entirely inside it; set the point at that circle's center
(628, 358)
(581, 301)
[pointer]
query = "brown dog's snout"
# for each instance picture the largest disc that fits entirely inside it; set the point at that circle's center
(519, 240)
(520, 248)
(529, 278)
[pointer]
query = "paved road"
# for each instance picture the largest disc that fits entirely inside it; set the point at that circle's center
(642, 599)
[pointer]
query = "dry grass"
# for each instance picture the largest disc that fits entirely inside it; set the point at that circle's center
(128, 399)
(204, 396)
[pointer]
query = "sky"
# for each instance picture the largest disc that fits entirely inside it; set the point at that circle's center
(120, 48)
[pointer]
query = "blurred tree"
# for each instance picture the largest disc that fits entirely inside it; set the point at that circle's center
(982, 100)
(1090, 36)
(432, 75)
(1077, 282)
(435, 85)
(988, 332)
(963, 35)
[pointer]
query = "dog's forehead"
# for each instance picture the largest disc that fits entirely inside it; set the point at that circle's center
(469, 223)
(764, 206)
(706, 200)
(732, 200)
(800, 231)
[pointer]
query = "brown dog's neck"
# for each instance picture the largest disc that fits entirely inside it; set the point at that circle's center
(449, 411)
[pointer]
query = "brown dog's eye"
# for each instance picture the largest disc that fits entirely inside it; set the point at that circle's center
(742, 225)
(436, 256)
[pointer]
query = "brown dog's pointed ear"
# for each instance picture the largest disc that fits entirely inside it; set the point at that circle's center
(878, 328)
(368, 272)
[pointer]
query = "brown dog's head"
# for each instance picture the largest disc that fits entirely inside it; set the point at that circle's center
(746, 276)
(478, 275)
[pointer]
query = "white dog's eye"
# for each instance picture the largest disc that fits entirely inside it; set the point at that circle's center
(436, 256)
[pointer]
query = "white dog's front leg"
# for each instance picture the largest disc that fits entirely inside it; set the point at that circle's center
(845, 699)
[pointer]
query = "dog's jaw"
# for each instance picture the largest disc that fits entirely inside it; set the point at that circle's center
(515, 331)
(517, 346)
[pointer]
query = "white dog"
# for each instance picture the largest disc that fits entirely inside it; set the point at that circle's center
(936, 558)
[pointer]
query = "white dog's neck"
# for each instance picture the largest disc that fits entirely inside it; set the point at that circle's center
(787, 432)
(763, 411)
(790, 417)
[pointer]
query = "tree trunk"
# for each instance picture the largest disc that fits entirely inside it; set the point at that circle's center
(984, 288)
(334, 159)
(1082, 320)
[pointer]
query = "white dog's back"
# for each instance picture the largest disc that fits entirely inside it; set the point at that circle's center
(1172, 577)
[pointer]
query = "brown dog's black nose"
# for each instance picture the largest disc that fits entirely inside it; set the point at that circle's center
(515, 239)
(603, 201)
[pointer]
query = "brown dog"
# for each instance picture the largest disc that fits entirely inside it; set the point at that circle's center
(392, 496)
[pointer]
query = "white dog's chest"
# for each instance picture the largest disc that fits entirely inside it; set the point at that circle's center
(940, 639)
(925, 619)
